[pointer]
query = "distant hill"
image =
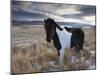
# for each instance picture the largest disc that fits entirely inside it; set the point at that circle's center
(71, 24)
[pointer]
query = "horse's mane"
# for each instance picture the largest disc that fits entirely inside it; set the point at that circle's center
(58, 26)
(54, 23)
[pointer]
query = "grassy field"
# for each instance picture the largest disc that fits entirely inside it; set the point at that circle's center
(29, 52)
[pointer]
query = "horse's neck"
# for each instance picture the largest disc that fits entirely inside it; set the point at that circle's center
(56, 41)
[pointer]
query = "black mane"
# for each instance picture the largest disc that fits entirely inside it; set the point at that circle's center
(54, 23)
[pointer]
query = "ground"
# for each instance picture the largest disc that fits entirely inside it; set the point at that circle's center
(30, 53)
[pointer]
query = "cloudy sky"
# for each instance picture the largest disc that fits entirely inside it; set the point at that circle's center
(35, 11)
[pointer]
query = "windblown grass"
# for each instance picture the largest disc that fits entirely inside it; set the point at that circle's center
(30, 53)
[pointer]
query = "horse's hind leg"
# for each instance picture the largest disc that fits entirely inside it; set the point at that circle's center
(74, 56)
(81, 44)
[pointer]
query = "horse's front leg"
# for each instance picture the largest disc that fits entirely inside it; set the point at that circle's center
(61, 57)
(58, 55)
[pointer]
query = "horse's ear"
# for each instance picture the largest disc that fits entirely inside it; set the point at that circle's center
(44, 20)
(53, 20)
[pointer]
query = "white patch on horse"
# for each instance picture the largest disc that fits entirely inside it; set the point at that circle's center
(65, 41)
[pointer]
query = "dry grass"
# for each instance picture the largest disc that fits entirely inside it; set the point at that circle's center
(30, 52)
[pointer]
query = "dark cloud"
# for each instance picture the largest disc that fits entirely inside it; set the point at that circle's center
(19, 13)
(28, 14)
(88, 10)
(22, 10)
(78, 16)
(85, 10)
(15, 2)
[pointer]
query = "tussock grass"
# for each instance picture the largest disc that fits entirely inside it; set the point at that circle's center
(30, 53)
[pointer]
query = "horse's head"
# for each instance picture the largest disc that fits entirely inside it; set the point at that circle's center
(49, 28)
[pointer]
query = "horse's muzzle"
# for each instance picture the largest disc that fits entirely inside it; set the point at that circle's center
(48, 40)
